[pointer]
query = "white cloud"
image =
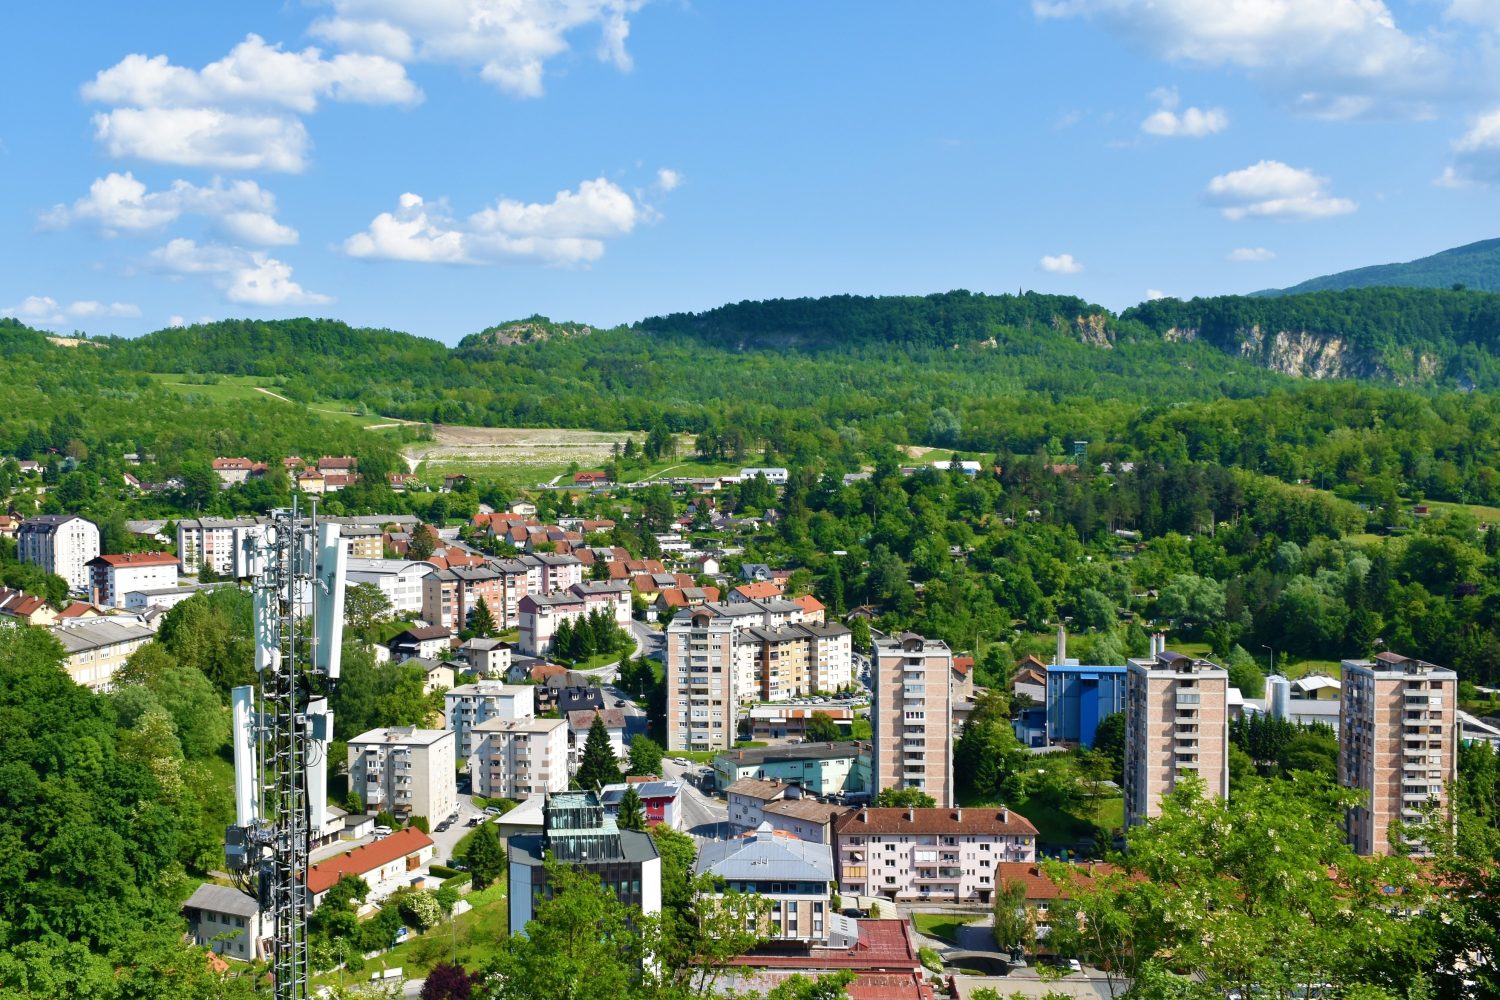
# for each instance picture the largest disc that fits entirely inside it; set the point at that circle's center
(1152, 294)
(1251, 255)
(44, 310)
(1483, 13)
(1476, 154)
(1317, 55)
(254, 74)
(667, 179)
(570, 229)
(1061, 264)
(1271, 189)
(509, 42)
(249, 277)
(204, 137)
(176, 322)
(239, 113)
(118, 203)
(1192, 123)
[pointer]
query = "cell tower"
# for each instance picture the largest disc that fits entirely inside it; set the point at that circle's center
(282, 727)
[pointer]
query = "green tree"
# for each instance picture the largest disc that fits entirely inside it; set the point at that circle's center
(828, 986)
(485, 858)
(1012, 920)
(903, 798)
(632, 812)
(822, 729)
(365, 606)
(481, 622)
(1109, 739)
(598, 766)
(645, 756)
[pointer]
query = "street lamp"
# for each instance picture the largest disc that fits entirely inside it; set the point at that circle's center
(1273, 656)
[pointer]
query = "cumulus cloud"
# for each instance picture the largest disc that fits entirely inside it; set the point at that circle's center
(204, 137)
(570, 229)
(248, 277)
(508, 43)
(1331, 58)
(117, 203)
(1152, 294)
(1272, 190)
(1061, 264)
(1251, 255)
(1192, 123)
(1476, 154)
(238, 113)
(667, 179)
(44, 310)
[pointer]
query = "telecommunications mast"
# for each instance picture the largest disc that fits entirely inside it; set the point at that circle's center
(282, 726)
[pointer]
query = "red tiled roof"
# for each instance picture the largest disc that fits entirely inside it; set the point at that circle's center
(877, 822)
(136, 559)
(758, 591)
(810, 604)
(324, 876)
(338, 462)
(79, 609)
(1038, 885)
(231, 463)
(963, 664)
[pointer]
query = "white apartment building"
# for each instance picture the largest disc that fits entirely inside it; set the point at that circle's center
(794, 875)
(405, 770)
(62, 544)
(912, 716)
(611, 595)
(113, 577)
(940, 855)
(1398, 743)
(97, 647)
(400, 580)
(218, 543)
(1176, 723)
(470, 705)
(720, 657)
(486, 657)
(551, 572)
(519, 758)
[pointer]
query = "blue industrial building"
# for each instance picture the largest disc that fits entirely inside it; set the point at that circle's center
(1078, 697)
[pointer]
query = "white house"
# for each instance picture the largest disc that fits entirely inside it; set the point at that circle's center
(579, 724)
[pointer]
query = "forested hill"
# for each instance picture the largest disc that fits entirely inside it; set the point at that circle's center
(1476, 266)
(948, 319)
(1407, 335)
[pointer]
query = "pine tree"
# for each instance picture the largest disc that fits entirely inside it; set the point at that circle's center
(481, 622)
(599, 766)
(632, 814)
(562, 640)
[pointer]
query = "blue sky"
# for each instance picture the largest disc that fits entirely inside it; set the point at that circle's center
(441, 165)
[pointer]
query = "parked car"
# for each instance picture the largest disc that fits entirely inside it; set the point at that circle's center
(382, 831)
(492, 810)
(475, 820)
(1074, 966)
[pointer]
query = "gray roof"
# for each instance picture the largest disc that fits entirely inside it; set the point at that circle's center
(485, 645)
(223, 899)
(805, 751)
(612, 794)
(84, 634)
(762, 856)
(382, 567)
(528, 848)
(399, 736)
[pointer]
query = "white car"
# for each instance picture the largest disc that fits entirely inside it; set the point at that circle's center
(381, 831)
(1074, 966)
(492, 810)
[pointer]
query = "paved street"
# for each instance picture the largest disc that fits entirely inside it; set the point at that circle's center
(703, 816)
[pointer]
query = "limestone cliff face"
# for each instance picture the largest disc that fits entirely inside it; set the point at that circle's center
(1300, 353)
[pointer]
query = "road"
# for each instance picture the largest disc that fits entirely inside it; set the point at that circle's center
(703, 816)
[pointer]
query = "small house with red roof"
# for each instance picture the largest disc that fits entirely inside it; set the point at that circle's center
(385, 864)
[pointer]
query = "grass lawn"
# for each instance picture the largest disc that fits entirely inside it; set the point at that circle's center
(229, 388)
(478, 935)
(597, 660)
(1489, 515)
(511, 476)
(680, 468)
(943, 926)
(1301, 668)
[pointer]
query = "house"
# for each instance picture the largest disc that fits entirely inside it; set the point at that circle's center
(224, 920)
(783, 722)
(581, 721)
(430, 641)
(97, 647)
(114, 576)
(405, 770)
(813, 610)
(755, 572)
(166, 598)
(670, 600)
(61, 544)
(519, 758)
(338, 465)
(400, 482)
(10, 525)
(767, 590)
(438, 675)
(576, 831)
(386, 865)
(524, 818)
(775, 475)
(570, 697)
(469, 705)
(21, 607)
(312, 482)
(593, 480)
(793, 874)
(523, 507)
(232, 471)
(486, 657)
(747, 800)
(938, 854)
(967, 467)
(804, 818)
(660, 801)
(821, 769)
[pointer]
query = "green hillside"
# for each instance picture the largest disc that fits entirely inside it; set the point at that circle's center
(1475, 266)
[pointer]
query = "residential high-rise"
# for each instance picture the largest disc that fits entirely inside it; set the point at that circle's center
(61, 544)
(469, 705)
(1398, 743)
(1176, 723)
(912, 716)
(519, 758)
(406, 771)
(702, 695)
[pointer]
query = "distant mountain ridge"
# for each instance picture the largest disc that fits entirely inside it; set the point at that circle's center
(1475, 266)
